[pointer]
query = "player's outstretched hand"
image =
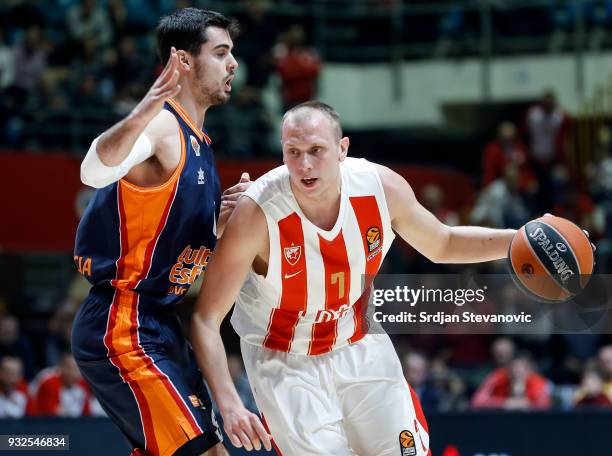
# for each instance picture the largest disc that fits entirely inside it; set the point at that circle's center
(229, 199)
(165, 86)
(244, 429)
(231, 195)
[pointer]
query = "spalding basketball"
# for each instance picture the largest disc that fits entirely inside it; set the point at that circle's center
(551, 259)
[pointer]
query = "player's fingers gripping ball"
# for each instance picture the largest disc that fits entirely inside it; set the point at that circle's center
(551, 259)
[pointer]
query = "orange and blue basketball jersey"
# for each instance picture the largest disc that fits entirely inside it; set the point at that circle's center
(150, 244)
(141, 249)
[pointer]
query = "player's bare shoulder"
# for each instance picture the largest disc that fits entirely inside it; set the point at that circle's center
(390, 179)
(246, 233)
(163, 132)
(251, 219)
(398, 192)
(268, 188)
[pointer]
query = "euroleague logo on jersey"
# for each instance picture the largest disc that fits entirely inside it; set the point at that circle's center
(406, 440)
(373, 237)
(293, 254)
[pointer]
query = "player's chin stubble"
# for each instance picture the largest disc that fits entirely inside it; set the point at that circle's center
(208, 96)
(211, 96)
(219, 98)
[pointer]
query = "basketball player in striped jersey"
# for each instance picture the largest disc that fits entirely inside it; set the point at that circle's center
(147, 235)
(303, 238)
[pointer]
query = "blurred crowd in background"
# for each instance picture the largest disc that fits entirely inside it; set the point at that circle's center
(96, 59)
(68, 68)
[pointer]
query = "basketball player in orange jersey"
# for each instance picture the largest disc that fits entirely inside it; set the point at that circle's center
(145, 237)
(303, 237)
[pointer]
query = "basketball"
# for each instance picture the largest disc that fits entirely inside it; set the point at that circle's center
(551, 259)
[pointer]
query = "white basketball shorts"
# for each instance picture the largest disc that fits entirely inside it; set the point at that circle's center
(352, 401)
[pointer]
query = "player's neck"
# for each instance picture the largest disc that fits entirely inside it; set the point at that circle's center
(322, 209)
(194, 110)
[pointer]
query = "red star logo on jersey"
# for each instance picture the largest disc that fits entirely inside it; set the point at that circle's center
(293, 254)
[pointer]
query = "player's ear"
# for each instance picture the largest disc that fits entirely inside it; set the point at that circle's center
(185, 60)
(344, 146)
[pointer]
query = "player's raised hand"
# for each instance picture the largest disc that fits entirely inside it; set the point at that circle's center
(165, 86)
(244, 429)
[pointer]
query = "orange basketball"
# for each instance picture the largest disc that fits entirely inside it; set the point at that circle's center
(551, 259)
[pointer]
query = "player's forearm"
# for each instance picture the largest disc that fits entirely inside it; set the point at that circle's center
(212, 359)
(116, 143)
(474, 244)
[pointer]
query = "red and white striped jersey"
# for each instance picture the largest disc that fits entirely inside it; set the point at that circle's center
(312, 300)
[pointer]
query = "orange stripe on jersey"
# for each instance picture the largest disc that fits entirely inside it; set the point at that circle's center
(143, 215)
(181, 112)
(115, 321)
(284, 318)
(154, 393)
(368, 217)
(337, 289)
